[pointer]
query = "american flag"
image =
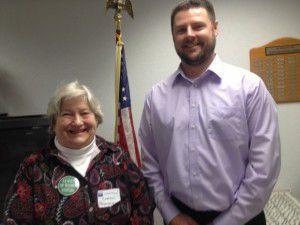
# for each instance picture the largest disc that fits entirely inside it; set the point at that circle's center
(126, 137)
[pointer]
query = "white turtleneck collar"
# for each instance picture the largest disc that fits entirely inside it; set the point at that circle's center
(78, 158)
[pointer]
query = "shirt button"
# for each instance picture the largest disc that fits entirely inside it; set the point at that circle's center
(91, 209)
(194, 173)
(193, 126)
(195, 85)
(197, 197)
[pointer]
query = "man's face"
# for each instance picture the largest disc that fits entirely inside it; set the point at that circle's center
(194, 36)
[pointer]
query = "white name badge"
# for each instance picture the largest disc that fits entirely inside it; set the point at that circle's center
(109, 197)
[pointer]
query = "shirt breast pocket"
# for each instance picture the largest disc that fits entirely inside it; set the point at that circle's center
(225, 123)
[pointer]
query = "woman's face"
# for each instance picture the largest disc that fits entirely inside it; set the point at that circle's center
(76, 124)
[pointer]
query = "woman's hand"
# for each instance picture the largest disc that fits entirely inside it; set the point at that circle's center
(183, 219)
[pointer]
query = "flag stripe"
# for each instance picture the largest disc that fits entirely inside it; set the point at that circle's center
(129, 134)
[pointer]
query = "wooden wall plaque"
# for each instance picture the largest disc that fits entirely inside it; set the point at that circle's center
(278, 64)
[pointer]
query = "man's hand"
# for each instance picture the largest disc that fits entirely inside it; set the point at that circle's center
(183, 219)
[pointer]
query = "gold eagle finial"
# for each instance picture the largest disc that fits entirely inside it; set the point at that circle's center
(118, 5)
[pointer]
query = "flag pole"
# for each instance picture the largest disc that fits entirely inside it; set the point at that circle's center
(124, 128)
(118, 6)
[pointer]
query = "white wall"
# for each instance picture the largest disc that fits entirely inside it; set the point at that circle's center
(46, 42)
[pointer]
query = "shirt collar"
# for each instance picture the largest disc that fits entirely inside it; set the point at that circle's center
(73, 154)
(215, 67)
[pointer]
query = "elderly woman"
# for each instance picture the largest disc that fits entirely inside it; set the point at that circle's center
(78, 178)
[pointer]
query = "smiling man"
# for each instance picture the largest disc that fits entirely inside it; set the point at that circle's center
(209, 132)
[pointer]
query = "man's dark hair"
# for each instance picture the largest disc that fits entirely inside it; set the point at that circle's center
(194, 4)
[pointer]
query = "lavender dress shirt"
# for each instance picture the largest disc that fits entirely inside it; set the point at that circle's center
(212, 142)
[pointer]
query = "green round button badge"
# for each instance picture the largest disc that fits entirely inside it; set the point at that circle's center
(68, 185)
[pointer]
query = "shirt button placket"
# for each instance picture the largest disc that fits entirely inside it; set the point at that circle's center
(193, 121)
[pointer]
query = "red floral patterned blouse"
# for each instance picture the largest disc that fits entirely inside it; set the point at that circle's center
(36, 196)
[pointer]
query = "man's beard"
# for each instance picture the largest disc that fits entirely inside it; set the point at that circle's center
(202, 57)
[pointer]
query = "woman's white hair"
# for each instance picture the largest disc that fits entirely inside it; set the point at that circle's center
(69, 91)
